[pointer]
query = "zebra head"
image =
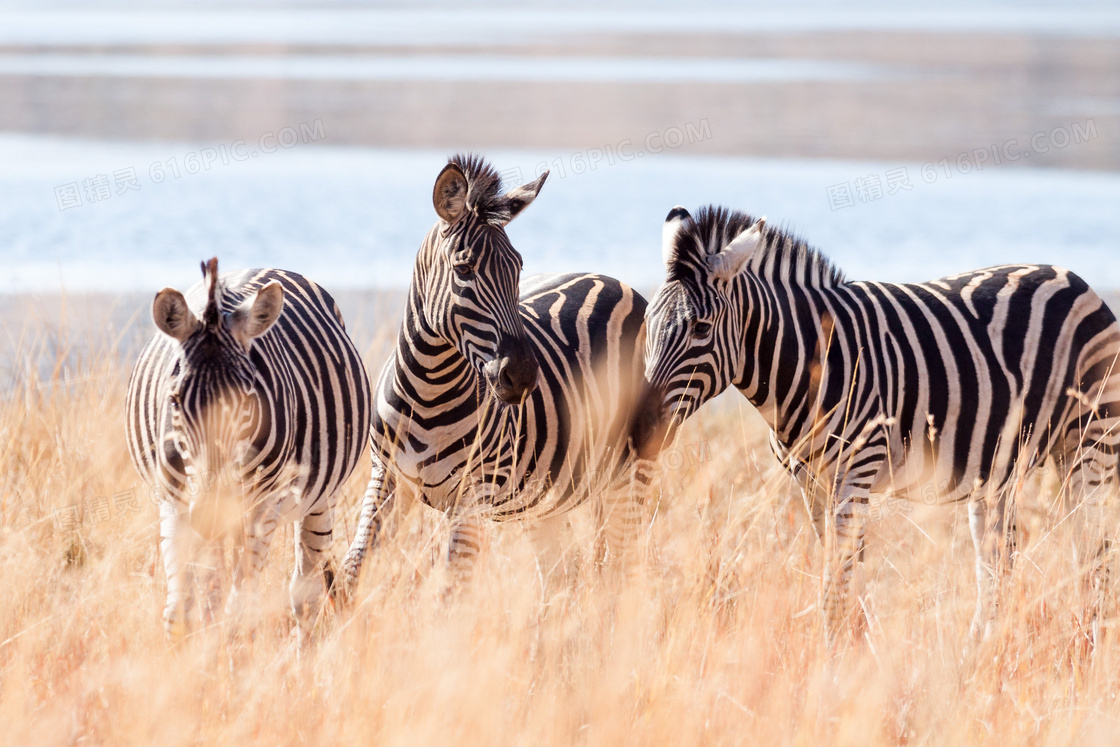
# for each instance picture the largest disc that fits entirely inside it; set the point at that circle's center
(469, 272)
(214, 411)
(695, 320)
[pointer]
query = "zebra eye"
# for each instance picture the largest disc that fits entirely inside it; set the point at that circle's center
(700, 330)
(464, 270)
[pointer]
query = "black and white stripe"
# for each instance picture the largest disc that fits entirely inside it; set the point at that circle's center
(249, 408)
(500, 407)
(950, 390)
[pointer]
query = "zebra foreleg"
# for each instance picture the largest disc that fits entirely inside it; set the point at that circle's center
(208, 581)
(993, 537)
(1091, 478)
(309, 586)
(849, 528)
(464, 547)
(176, 543)
(624, 512)
(804, 483)
(376, 505)
(547, 538)
(255, 542)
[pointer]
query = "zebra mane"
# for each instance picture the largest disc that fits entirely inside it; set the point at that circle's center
(213, 313)
(484, 188)
(713, 228)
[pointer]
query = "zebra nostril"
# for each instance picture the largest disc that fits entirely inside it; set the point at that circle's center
(504, 378)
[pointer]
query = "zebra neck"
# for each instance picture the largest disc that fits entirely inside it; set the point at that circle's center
(780, 357)
(430, 373)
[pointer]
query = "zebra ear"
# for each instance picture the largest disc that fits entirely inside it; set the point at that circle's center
(673, 222)
(258, 313)
(519, 198)
(731, 261)
(450, 193)
(172, 315)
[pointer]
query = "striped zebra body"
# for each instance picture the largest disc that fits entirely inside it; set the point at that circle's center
(952, 390)
(248, 409)
(446, 431)
(528, 460)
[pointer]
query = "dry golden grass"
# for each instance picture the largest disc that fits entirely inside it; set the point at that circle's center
(713, 641)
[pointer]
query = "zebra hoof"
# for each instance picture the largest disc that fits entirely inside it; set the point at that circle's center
(302, 639)
(338, 587)
(342, 591)
(982, 629)
(176, 628)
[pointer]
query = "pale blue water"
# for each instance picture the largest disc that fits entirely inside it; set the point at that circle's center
(354, 217)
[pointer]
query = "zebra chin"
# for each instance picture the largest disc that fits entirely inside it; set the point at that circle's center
(510, 395)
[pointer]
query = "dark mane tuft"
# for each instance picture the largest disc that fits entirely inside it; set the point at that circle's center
(714, 227)
(213, 313)
(484, 188)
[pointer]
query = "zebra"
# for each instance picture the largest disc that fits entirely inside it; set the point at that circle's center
(249, 407)
(951, 390)
(495, 407)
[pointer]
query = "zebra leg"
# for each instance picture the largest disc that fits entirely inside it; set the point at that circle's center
(802, 487)
(849, 529)
(312, 540)
(993, 538)
(805, 485)
(623, 513)
(376, 505)
(1091, 477)
(176, 545)
(255, 542)
(208, 579)
(465, 547)
(547, 539)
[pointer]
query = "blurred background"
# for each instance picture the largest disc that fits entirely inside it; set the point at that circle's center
(905, 140)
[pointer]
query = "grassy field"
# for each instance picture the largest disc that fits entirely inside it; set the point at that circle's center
(714, 640)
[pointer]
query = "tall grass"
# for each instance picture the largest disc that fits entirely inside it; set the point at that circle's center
(714, 640)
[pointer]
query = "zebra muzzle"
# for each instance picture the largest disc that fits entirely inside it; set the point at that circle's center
(512, 376)
(652, 426)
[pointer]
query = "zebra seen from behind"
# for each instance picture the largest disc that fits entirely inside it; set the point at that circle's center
(951, 390)
(248, 408)
(499, 407)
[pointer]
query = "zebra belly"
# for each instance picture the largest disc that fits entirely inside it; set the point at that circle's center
(942, 484)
